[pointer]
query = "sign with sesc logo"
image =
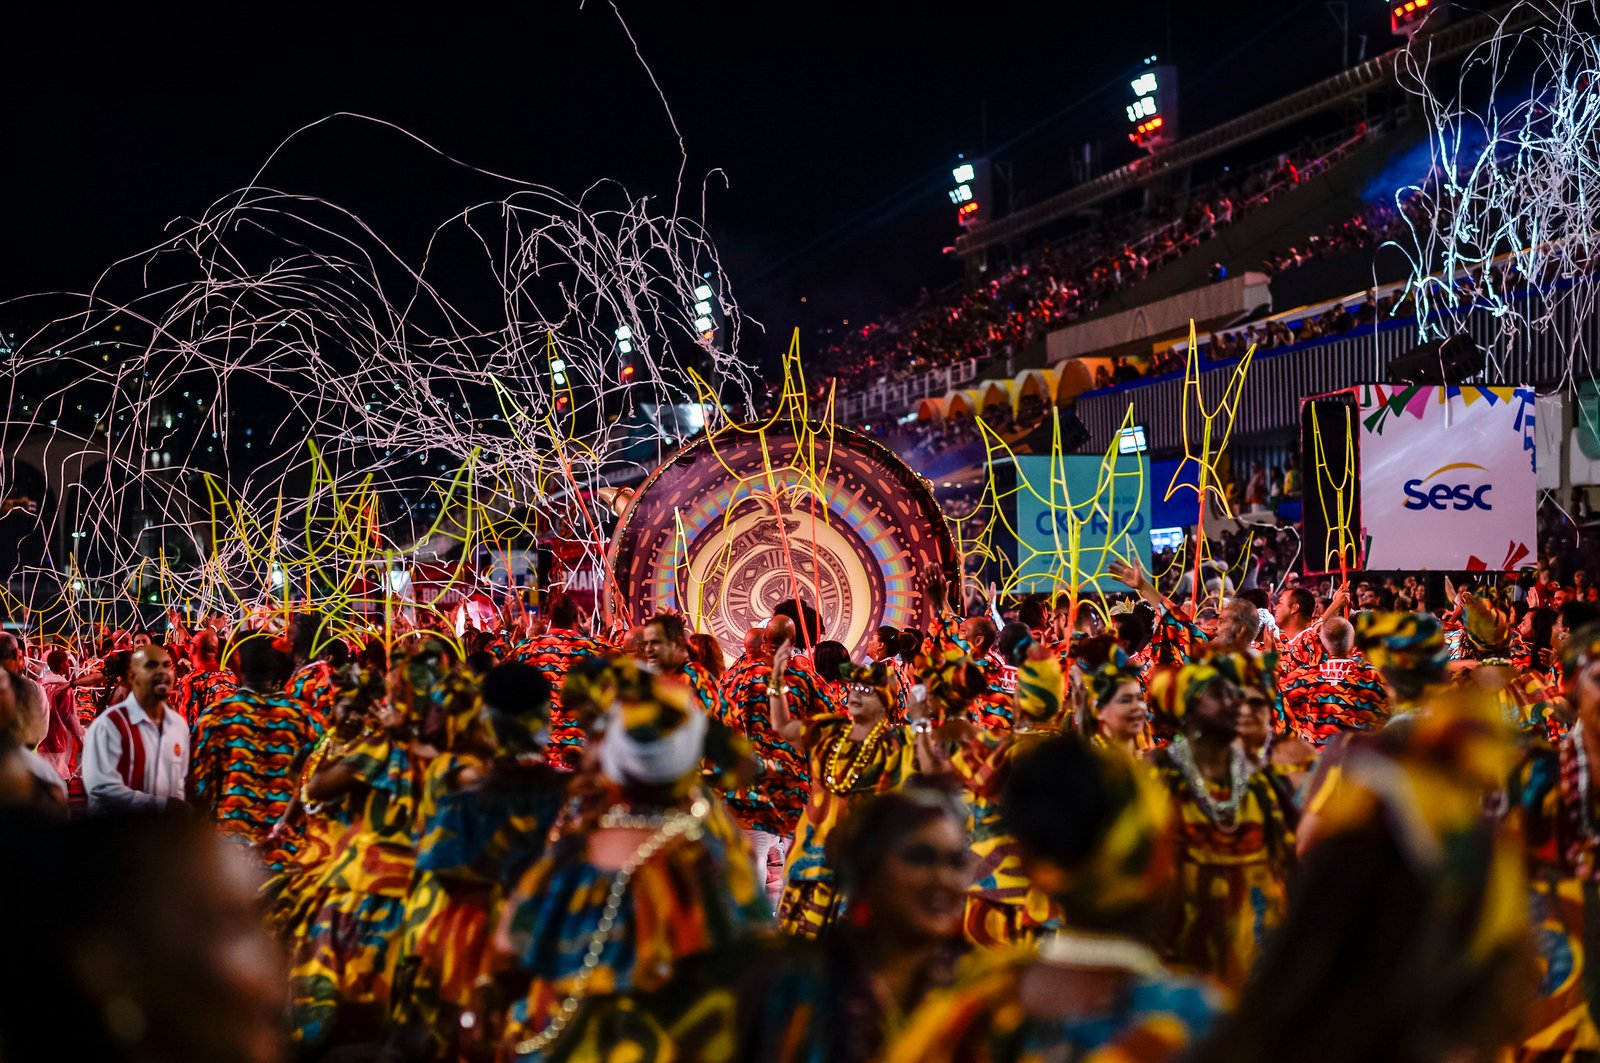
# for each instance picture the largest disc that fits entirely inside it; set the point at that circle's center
(1447, 476)
(1431, 492)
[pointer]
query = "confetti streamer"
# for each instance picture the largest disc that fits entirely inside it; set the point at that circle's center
(274, 402)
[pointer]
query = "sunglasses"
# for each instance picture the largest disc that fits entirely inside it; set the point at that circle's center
(863, 688)
(923, 855)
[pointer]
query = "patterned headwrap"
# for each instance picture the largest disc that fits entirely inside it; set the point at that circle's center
(1174, 688)
(653, 736)
(591, 686)
(1248, 669)
(875, 675)
(1039, 688)
(517, 733)
(1485, 630)
(1130, 863)
(952, 683)
(464, 717)
(1105, 681)
(1425, 784)
(1408, 648)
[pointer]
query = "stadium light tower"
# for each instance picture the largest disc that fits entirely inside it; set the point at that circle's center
(972, 192)
(1154, 110)
(1407, 18)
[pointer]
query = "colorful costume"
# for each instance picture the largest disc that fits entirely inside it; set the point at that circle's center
(632, 959)
(344, 956)
(816, 1002)
(313, 686)
(774, 799)
(842, 771)
(991, 709)
(1302, 650)
(242, 768)
(1003, 907)
(1153, 1020)
(1331, 698)
(554, 653)
(192, 693)
(1232, 842)
(1151, 1016)
(1546, 803)
(1563, 863)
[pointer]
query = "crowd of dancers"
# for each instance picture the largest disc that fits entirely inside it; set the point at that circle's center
(1112, 832)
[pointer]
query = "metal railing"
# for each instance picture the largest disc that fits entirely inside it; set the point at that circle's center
(1278, 378)
(896, 396)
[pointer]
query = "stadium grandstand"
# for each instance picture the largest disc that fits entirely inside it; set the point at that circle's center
(1277, 230)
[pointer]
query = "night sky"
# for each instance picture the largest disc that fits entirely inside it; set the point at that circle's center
(835, 124)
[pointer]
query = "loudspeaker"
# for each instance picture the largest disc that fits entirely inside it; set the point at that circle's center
(1330, 484)
(1449, 362)
(1074, 436)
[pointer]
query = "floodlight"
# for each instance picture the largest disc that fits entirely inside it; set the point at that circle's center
(703, 291)
(703, 324)
(963, 173)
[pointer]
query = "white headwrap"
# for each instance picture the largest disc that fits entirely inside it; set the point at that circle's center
(624, 759)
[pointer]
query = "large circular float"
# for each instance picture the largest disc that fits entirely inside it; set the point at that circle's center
(734, 524)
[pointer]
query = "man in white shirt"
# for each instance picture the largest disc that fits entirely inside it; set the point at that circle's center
(136, 753)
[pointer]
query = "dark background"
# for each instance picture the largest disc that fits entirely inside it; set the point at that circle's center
(833, 125)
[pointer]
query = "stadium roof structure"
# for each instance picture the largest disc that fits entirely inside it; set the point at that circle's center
(1359, 79)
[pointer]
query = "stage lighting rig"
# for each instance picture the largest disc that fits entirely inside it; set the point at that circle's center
(706, 307)
(1407, 18)
(971, 194)
(1154, 110)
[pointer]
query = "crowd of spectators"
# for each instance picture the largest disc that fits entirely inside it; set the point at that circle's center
(1000, 315)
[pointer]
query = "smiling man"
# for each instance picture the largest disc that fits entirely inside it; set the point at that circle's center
(136, 753)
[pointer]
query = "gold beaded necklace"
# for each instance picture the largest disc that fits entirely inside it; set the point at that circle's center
(842, 783)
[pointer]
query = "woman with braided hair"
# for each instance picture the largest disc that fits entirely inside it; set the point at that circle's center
(1231, 824)
(1089, 825)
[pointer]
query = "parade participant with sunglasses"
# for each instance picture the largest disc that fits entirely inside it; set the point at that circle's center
(851, 755)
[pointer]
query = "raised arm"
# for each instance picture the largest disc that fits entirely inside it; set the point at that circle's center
(1339, 602)
(787, 727)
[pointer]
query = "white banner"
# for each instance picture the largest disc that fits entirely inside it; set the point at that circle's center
(1448, 477)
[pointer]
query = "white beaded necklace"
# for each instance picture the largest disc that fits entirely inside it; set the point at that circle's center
(1224, 813)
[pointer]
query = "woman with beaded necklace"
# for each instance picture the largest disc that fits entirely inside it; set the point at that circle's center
(1231, 825)
(623, 939)
(850, 756)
